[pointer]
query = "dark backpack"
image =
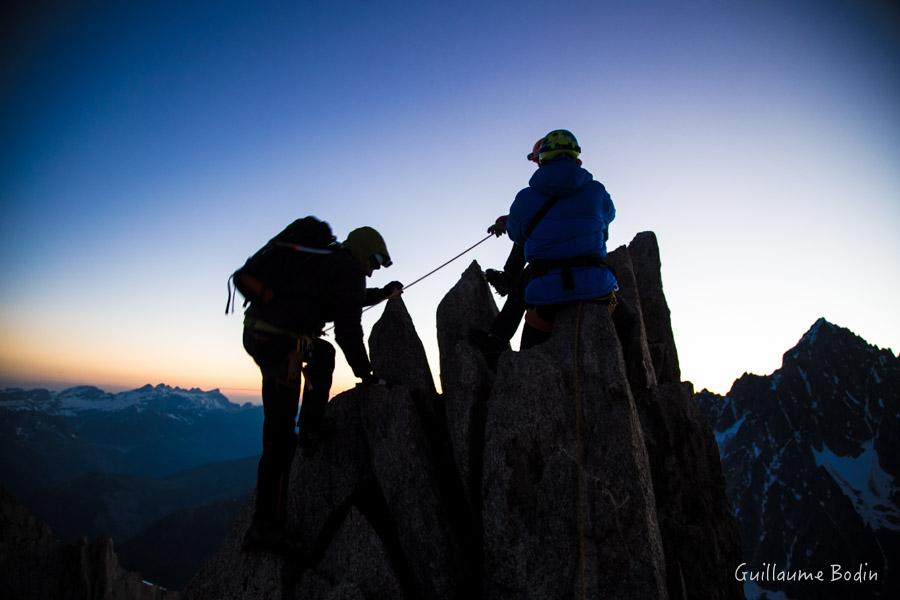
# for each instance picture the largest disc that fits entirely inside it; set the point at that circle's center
(268, 266)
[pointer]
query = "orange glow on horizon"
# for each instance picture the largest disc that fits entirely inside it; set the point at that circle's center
(26, 363)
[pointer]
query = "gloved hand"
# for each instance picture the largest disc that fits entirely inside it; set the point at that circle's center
(373, 379)
(392, 290)
(498, 279)
(499, 226)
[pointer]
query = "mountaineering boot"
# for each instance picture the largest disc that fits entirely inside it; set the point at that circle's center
(490, 344)
(499, 280)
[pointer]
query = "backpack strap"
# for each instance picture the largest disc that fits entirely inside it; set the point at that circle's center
(540, 214)
(229, 304)
(542, 267)
(307, 249)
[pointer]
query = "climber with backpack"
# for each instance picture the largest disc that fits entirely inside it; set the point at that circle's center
(559, 225)
(295, 284)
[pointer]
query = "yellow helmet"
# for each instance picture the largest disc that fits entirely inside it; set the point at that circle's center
(559, 142)
(368, 247)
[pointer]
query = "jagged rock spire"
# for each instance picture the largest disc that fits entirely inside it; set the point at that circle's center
(397, 352)
(468, 305)
(644, 252)
(465, 377)
(638, 360)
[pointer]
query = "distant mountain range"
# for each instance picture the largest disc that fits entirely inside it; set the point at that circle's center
(162, 398)
(130, 465)
(811, 455)
(47, 437)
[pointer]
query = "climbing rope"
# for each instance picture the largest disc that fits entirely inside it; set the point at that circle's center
(435, 270)
(579, 457)
(431, 272)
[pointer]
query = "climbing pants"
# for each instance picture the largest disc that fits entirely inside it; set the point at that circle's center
(279, 358)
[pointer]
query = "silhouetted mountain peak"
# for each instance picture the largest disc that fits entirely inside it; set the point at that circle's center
(831, 344)
(811, 335)
(816, 440)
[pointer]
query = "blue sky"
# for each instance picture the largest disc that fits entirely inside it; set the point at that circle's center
(150, 149)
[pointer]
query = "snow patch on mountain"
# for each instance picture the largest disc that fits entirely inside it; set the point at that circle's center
(722, 437)
(801, 442)
(80, 399)
(865, 483)
(875, 375)
(805, 379)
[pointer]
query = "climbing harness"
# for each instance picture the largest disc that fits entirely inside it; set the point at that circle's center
(306, 249)
(541, 267)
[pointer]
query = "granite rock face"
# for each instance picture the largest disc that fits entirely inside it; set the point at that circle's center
(398, 353)
(568, 507)
(35, 565)
(466, 380)
(644, 253)
(574, 470)
(633, 339)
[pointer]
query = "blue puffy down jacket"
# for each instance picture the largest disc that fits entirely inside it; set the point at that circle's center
(577, 226)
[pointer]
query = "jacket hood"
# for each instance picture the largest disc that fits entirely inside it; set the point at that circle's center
(560, 178)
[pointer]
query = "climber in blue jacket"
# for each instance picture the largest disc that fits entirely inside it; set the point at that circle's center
(566, 247)
(559, 224)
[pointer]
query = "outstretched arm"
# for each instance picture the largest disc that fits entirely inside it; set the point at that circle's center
(375, 295)
(348, 331)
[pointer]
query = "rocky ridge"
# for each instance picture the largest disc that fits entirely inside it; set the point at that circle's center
(582, 468)
(49, 438)
(35, 565)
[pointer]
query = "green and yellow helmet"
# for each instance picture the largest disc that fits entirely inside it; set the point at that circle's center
(368, 247)
(559, 142)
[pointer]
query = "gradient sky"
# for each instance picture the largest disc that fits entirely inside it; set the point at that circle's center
(148, 150)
